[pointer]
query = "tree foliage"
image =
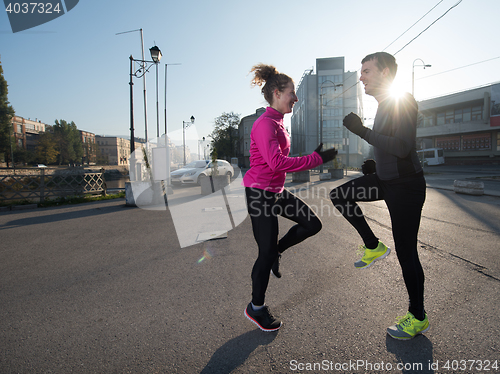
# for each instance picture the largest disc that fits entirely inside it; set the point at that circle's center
(6, 113)
(46, 149)
(225, 135)
(69, 142)
(23, 155)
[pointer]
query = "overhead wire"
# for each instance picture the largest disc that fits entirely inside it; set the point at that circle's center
(452, 7)
(461, 67)
(427, 28)
(413, 25)
(355, 84)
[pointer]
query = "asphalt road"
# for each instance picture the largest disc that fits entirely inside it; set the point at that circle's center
(105, 288)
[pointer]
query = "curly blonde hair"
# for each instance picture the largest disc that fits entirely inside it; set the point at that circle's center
(270, 78)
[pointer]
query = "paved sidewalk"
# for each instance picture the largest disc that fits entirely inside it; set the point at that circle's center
(105, 288)
(443, 177)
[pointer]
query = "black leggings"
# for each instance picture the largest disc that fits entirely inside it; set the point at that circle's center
(264, 207)
(405, 201)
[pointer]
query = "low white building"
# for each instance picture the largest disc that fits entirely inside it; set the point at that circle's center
(465, 124)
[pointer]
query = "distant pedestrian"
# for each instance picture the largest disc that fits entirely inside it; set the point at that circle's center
(264, 188)
(396, 177)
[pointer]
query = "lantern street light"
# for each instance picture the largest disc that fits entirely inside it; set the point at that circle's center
(139, 73)
(156, 57)
(184, 123)
(155, 54)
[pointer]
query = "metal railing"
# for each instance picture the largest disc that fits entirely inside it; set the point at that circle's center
(39, 184)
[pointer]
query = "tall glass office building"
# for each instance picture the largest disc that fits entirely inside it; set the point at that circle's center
(325, 98)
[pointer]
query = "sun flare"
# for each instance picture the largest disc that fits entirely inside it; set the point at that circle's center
(397, 90)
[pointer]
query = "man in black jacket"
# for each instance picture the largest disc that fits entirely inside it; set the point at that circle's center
(396, 177)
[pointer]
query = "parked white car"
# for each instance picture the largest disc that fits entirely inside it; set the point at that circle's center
(195, 171)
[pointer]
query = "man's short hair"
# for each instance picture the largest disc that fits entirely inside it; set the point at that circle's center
(383, 60)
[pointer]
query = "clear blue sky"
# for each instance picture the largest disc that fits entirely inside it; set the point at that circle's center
(76, 68)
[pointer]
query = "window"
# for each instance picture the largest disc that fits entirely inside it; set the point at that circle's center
(429, 154)
(332, 134)
(331, 112)
(456, 115)
(449, 116)
(477, 113)
(428, 121)
(336, 79)
(440, 118)
(332, 123)
(498, 141)
(466, 114)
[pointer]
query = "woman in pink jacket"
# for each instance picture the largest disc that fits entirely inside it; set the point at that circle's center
(264, 187)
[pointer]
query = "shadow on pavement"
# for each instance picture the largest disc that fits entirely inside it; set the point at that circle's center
(236, 351)
(414, 356)
(91, 209)
(466, 204)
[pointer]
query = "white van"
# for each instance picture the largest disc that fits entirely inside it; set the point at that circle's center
(431, 156)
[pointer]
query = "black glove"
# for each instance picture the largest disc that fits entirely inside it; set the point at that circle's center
(368, 167)
(354, 124)
(327, 155)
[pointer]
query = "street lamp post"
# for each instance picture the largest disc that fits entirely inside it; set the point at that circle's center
(184, 123)
(166, 65)
(413, 74)
(143, 81)
(166, 128)
(131, 83)
(321, 112)
(156, 57)
(201, 141)
(139, 73)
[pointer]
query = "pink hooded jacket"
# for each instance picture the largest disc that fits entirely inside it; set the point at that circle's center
(269, 150)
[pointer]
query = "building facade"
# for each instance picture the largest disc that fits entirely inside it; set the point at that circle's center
(89, 148)
(26, 132)
(325, 98)
(466, 125)
(244, 130)
(113, 150)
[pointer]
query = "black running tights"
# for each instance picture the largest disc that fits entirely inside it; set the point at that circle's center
(405, 201)
(264, 207)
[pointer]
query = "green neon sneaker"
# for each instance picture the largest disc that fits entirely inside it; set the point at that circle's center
(371, 255)
(408, 327)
